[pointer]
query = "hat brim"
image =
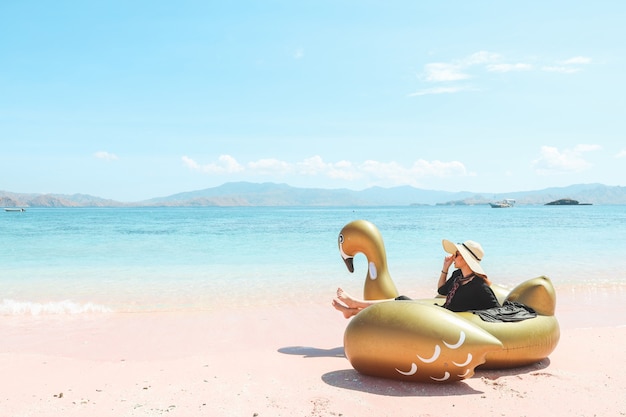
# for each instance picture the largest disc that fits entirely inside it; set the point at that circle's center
(469, 259)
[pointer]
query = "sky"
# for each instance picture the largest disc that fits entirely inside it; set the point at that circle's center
(130, 100)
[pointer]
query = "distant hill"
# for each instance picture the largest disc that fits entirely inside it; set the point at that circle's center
(585, 193)
(8, 199)
(272, 194)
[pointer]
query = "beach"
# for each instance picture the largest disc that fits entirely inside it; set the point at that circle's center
(287, 360)
(227, 311)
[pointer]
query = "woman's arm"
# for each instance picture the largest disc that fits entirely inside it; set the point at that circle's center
(443, 276)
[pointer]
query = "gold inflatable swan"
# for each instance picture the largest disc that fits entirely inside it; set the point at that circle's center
(418, 340)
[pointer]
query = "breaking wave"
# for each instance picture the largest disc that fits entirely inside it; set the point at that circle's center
(28, 308)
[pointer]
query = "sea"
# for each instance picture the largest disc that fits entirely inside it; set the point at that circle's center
(86, 261)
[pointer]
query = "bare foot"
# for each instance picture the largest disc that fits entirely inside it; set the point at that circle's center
(347, 299)
(347, 311)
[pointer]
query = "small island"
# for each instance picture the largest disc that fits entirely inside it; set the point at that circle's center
(566, 202)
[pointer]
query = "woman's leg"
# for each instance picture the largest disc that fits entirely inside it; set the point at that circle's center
(347, 311)
(349, 305)
(353, 302)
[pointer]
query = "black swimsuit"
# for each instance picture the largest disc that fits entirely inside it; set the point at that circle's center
(475, 295)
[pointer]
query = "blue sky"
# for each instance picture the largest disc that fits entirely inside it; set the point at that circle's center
(137, 99)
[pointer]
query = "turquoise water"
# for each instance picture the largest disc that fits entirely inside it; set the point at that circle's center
(86, 260)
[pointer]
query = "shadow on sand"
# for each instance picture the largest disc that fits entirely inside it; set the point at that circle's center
(312, 352)
(352, 380)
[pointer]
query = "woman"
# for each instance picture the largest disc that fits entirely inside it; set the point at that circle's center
(466, 289)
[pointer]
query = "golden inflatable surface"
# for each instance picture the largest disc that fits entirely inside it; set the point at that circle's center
(361, 236)
(409, 340)
(419, 340)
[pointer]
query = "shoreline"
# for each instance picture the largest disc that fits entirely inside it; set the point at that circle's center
(286, 360)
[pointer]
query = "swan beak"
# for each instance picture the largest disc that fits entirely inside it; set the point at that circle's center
(349, 260)
(349, 263)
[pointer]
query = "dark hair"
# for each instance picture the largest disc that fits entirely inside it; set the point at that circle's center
(484, 277)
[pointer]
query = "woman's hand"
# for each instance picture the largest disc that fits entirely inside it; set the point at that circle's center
(447, 261)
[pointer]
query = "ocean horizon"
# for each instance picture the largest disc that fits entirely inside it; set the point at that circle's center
(69, 261)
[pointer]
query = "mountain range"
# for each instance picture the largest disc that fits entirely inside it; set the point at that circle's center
(272, 194)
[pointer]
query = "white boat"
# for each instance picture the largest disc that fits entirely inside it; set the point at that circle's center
(506, 203)
(14, 209)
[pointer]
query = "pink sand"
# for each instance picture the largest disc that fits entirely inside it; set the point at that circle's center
(287, 361)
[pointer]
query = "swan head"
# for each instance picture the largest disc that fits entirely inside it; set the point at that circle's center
(361, 236)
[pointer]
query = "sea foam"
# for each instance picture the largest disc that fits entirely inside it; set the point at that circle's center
(25, 308)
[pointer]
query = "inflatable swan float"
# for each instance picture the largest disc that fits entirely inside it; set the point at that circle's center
(418, 340)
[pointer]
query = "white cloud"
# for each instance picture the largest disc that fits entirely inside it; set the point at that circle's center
(455, 71)
(106, 156)
(422, 168)
(373, 172)
(312, 166)
(396, 174)
(568, 66)
(553, 161)
(621, 154)
(439, 71)
(577, 60)
(226, 165)
(480, 57)
(439, 90)
(344, 170)
(463, 69)
(509, 67)
(269, 166)
(190, 163)
(561, 69)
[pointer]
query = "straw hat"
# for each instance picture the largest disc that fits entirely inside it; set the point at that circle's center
(471, 252)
